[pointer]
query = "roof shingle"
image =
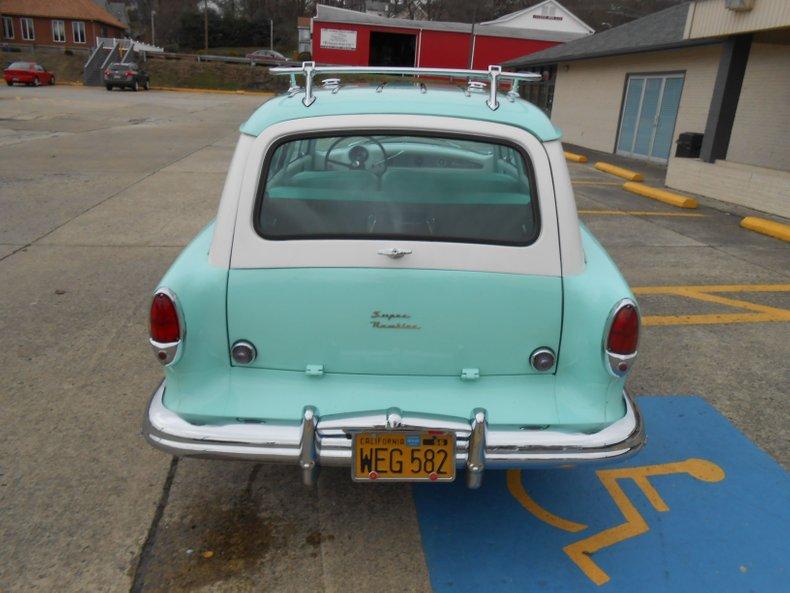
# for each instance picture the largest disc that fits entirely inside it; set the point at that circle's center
(660, 30)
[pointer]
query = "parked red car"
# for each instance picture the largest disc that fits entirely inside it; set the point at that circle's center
(27, 73)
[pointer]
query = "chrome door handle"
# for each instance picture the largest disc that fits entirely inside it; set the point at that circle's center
(394, 252)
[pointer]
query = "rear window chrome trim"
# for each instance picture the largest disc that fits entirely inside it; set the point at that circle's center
(534, 204)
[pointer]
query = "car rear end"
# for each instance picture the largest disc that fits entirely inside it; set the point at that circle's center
(121, 75)
(405, 299)
(19, 73)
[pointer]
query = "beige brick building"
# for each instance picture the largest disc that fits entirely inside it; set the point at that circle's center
(699, 67)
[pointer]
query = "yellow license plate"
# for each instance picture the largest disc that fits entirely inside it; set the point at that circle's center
(410, 456)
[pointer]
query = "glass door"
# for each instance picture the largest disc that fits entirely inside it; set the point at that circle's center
(650, 109)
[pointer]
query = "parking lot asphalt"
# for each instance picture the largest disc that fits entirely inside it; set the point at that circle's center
(100, 191)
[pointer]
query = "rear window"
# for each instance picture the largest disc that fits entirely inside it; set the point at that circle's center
(415, 187)
(120, 66)
(19, 66)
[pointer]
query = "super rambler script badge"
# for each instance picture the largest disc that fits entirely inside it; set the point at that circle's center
(381, 320)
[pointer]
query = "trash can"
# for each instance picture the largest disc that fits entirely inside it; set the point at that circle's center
(689, 145)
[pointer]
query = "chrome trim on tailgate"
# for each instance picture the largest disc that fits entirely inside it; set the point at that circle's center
(313, 441)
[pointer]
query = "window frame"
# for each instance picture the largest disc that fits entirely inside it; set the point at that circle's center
(8, 25)
(59, 25)
(75, 26)
(529, 168)
(27, 26)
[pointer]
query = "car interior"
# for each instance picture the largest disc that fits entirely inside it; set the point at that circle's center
(416, 187)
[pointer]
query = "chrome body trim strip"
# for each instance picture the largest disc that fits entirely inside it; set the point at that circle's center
(314, 441)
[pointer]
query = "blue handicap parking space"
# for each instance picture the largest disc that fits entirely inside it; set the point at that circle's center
(701, 508)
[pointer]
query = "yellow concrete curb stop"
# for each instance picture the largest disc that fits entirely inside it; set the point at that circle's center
(576, 158)
(619, 171)
(660, 194)
(774, 229)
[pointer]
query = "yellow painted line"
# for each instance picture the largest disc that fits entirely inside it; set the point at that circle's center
(713, 288)
(756, 313)
(640, 213)
(517, 490)
(711, 319)
(661, 195)
(581, 551)
(576, 158)
(774, 229)
(176, 89)
(619, 171)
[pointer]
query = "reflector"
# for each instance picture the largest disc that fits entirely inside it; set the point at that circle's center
(624, 333)
(164, 326)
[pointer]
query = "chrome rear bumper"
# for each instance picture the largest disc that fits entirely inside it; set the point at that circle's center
(312, 441)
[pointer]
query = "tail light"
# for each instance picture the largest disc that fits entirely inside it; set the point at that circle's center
(129, 73)
(107, 72)
(166, 326)
(621, 337)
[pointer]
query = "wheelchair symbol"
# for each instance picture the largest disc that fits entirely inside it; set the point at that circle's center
(580, 552)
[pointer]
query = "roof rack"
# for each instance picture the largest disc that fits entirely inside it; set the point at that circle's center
(493, 75)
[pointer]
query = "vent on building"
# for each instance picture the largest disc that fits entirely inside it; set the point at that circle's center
(739, 5)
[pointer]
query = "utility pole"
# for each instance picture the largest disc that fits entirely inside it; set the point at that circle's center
(205, 24)
(271, 33)
(153, 28)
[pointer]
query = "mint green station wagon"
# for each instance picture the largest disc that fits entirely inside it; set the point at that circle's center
(397, 282)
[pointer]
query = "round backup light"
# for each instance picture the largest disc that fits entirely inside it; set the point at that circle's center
(542, 359)
(243, 352)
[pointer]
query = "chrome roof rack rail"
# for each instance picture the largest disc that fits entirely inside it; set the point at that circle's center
(492, 76)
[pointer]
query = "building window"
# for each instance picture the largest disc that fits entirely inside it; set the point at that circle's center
(28, 31)
(58, 31)
(541, 92)
(8, 27)
(79, 31)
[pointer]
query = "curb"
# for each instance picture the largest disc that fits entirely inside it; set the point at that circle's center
(661, 195)
(777, 230)
(176, 89)
(619, 171)
(576, 158)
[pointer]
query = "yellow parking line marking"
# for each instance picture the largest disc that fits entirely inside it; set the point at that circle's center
(517, 490)
(710, 319)
(756, 313)
(713, 288)
(640, 213)
(635, 523)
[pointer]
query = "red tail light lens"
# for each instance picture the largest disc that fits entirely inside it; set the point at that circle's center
(129, 74)
(107, 72)
(624, 332)
(164, 325)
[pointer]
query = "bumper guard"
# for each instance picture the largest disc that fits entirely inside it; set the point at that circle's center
(313, 441)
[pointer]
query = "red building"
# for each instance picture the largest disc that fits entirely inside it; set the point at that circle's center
(59, 23)
(348, 37)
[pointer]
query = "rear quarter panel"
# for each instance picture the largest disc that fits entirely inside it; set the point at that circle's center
(585, 388)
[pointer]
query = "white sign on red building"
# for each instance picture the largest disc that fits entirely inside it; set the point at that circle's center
(338, 39)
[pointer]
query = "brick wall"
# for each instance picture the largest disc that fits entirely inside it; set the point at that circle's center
(44, 35)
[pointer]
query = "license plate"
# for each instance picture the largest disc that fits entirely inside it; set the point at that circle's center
(404, 456)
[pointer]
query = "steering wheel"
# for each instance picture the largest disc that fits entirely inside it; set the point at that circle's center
(358, 155)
